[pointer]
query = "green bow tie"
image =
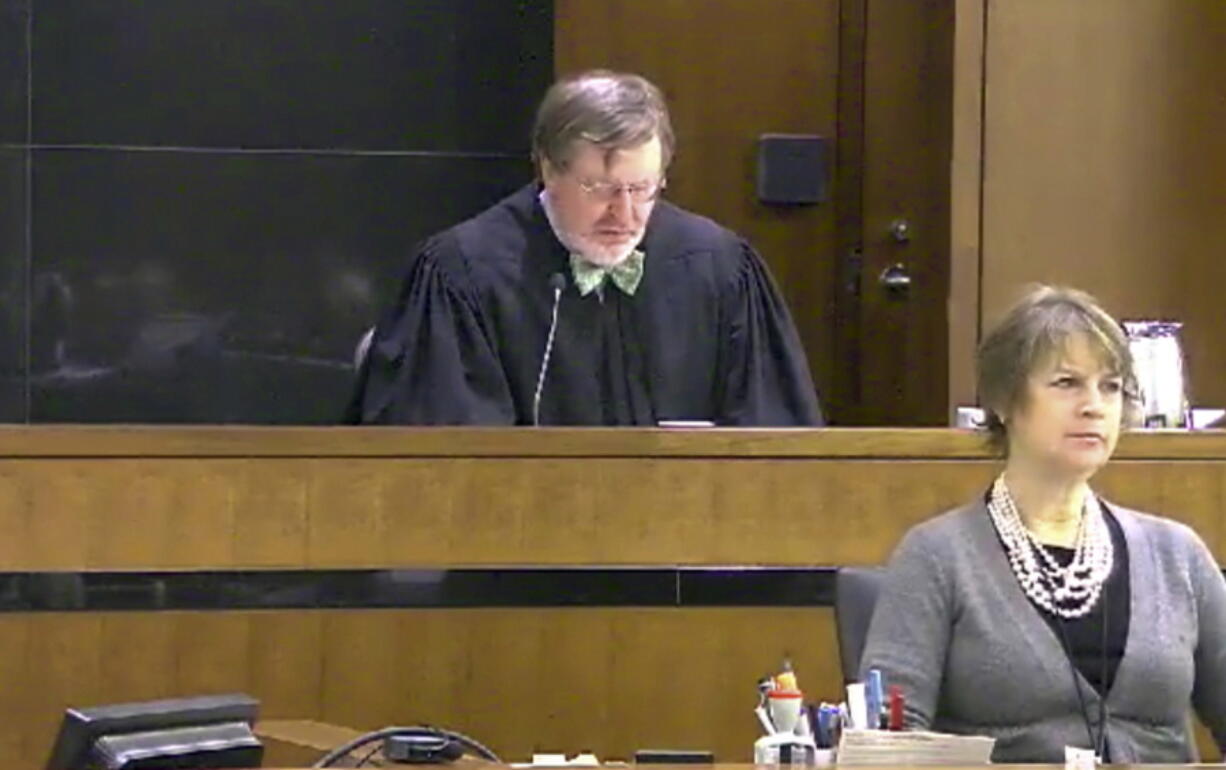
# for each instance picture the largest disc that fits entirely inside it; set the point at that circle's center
(626, 274)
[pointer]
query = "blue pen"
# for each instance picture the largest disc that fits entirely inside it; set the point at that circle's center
(874, 697)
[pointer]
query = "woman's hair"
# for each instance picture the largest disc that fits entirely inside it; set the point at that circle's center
(612, 110)
(1037, 327)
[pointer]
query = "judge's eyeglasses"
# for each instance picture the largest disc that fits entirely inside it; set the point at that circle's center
(607, 192)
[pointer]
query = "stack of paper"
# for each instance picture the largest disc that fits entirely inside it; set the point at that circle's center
(886, 747)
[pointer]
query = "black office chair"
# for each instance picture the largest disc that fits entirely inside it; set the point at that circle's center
(855, 595)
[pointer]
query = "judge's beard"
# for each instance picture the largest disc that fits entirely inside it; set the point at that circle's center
(591, 251)
(597, 253)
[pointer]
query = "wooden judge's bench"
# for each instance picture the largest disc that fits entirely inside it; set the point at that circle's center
(548, 590)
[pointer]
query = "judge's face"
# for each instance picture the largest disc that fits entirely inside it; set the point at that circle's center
(1067, 425)
(602, 199)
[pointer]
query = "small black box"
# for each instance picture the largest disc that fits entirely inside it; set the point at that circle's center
(792, 168)
(673, 757)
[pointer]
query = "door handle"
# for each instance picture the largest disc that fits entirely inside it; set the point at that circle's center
(895, 279)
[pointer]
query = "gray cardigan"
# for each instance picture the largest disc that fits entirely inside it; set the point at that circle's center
(973, 655)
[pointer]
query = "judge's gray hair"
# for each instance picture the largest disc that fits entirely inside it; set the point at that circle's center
(612, 110)
(1039, 326)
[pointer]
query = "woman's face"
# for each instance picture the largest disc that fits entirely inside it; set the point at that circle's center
(1069, 421)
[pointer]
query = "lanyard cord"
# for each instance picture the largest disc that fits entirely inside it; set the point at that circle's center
(1099, 743)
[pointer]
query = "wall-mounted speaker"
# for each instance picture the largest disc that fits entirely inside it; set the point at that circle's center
(792, 168)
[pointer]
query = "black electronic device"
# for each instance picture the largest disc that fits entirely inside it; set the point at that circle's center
(673, 757)
(415, 745)
(211, 731)
(421, 749)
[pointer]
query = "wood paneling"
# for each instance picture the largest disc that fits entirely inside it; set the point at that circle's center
(520, 681)
(53, 661)
(487, 511)
(1104, 165)
(966, 190)
(281, 450)
(762, 497)
(24, 705)
(610, 680)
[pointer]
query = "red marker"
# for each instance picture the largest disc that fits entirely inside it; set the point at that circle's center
(896, 707)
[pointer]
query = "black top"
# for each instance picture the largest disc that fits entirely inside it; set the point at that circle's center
(705, 337)
(1084, 636)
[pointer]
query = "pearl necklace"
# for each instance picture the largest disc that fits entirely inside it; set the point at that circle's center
(1069, 592)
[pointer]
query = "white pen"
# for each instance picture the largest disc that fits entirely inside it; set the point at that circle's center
(857, 708)
(765, 720)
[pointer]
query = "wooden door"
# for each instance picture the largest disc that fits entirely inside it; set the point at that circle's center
(894, 225)
(862, 73)
(732, 70)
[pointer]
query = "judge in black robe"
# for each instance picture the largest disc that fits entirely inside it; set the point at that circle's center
(705, 336)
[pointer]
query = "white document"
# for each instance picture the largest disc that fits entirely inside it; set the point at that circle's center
(912, 747)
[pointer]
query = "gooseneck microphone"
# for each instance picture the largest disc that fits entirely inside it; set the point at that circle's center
(558, 282)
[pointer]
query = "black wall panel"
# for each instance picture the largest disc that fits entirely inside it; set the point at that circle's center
(454, 75)
(12, 285)
(229, 287)
(14, 70)
(225, 193)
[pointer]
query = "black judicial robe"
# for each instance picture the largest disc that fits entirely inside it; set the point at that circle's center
(705, 337)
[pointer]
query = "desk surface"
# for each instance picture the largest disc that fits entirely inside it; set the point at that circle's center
(317, 738)
(258, 441)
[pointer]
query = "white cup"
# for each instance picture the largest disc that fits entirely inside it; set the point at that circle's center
(784, 709)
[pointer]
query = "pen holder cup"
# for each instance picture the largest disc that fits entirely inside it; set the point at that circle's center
(784, 709)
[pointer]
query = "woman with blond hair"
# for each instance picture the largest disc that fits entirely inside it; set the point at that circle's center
(1039, 613)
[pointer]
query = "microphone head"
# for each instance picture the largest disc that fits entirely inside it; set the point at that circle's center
(557, 282)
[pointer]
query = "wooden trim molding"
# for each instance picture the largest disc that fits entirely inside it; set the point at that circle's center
(966, 193)
(836, 443)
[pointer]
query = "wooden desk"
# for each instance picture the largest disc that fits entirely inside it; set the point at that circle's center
(609, 679)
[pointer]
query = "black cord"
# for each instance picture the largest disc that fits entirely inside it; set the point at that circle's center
(1102, 679)
(433, 732)
(367, 756)
(1098, 744)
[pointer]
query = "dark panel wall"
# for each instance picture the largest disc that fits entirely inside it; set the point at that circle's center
(12, 284)
(222, 195)
(13, 154)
